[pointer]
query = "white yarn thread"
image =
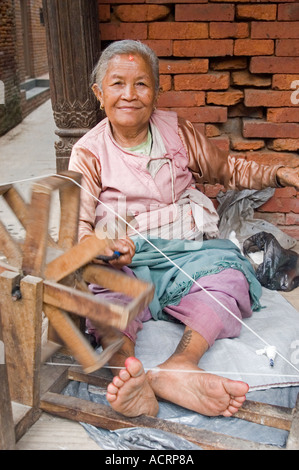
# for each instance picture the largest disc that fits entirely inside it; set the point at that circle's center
(183, 371)
(163, 254)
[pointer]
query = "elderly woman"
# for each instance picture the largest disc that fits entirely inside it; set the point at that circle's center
(144, 164)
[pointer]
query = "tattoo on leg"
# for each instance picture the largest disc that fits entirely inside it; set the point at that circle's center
(184, 343)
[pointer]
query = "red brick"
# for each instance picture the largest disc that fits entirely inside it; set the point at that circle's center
(203, 48)
(165, 82)
(240, 110)
(141, 13)
(238, 143)
(244, 78)
(212, 190)
(288, 12)
(256, 12)
(287, 47)
(172, 1)
(162, 47)
(229, 64)
(284, 81)
(292, 219)
(291, 230)
(255, 128)
(266, 64)
(276, 219)
(222, 142)
(229, 30)
(120, 1)
(285, 192)
(273, 158)
(184, 66)
(274, 30)
(181, 99)
(172, 30)
(284, 205)
(283, 114)
(284, 144)
(226, 98)
(254, 47)
(116, 31)
(212, 130)
(251, 1)
(203, 113)
(209, 81)
(206, 12)
(104, 13)
(268, 98)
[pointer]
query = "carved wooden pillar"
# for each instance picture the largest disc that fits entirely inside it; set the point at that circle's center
(73, 48)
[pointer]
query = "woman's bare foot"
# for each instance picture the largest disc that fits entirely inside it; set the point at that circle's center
(204, 393)
(130, 394)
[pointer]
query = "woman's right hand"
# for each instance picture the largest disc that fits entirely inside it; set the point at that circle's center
(126, 248)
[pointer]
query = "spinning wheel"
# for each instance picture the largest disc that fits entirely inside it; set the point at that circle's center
(66, 269)
(42, 277)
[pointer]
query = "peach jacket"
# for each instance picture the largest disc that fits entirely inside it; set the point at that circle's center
(137, 185)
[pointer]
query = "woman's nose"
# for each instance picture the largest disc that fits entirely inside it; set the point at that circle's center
(129, 92)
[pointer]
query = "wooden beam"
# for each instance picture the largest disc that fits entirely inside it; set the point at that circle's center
(52, 183)
(269, 415)
(17, 204)
(7, 430)
(293, 438)
(105, 417)
(114, 280)
(69, 213)
(21, 322)
(9, 247)
(76, 342)
(85, 305)
(35, 245)
(76, 257)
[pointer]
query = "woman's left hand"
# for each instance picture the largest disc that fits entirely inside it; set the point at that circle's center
(288, 176)
(126, 248)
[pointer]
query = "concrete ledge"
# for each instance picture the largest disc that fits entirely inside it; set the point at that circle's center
(34, 87)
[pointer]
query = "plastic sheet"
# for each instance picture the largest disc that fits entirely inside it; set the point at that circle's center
(236, 212)
(279, 269)
(153, 439)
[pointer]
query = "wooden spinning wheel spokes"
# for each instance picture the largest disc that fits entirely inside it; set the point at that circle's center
(65, 268)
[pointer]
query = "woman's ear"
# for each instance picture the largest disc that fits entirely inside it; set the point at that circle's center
(98, 94)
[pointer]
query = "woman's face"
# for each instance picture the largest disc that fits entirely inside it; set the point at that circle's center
(128, 92)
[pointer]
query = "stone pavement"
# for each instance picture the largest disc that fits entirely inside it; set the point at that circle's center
(27, 151)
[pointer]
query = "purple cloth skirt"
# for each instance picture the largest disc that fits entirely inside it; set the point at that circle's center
(197, 310)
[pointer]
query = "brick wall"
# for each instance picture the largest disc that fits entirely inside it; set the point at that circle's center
(232, 68)
(10, 108)
(12, 59)
(38, 39)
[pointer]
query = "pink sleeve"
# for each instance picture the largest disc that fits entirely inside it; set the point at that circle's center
(84, 162)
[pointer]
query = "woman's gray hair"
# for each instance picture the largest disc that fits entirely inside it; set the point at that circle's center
(127, 46)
